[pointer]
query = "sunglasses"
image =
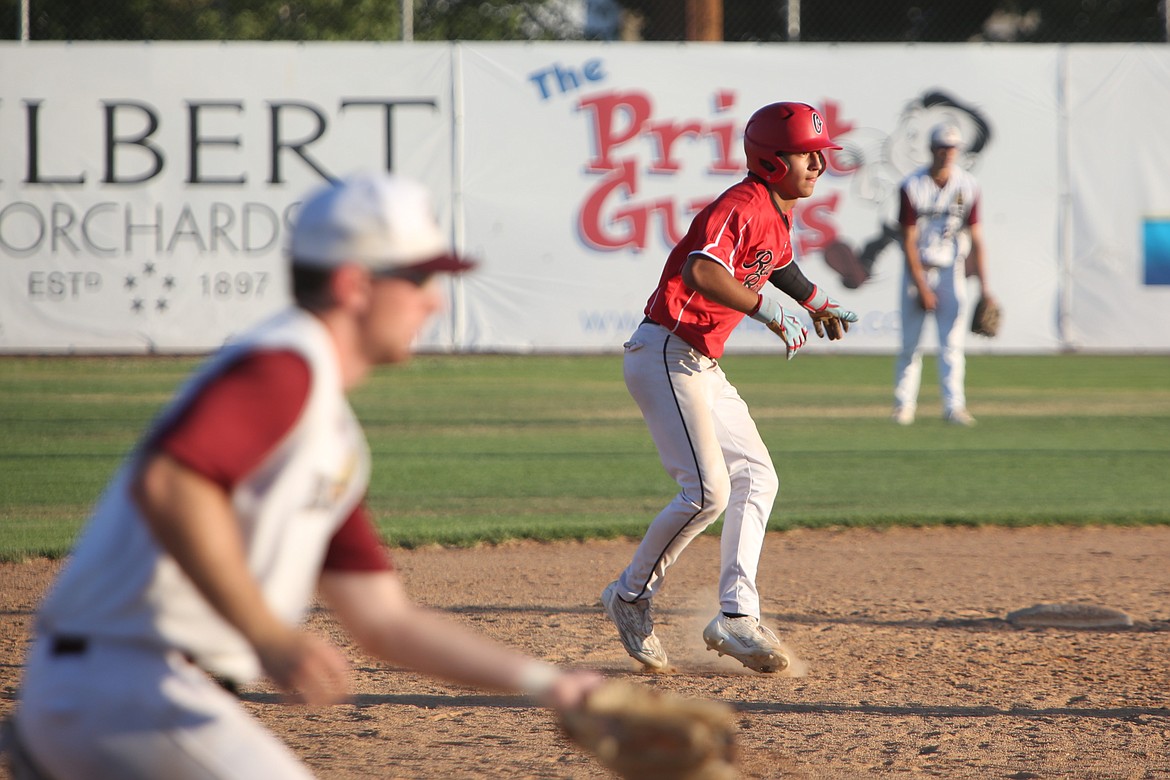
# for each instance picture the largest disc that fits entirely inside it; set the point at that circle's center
(418, 278)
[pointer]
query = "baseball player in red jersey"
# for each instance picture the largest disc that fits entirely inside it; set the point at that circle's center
(244, 501)
(939, 215)
(703, 430)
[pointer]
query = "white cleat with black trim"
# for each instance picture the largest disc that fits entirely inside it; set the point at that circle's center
(747, 641)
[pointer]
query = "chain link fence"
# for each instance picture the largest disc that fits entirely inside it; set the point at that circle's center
(843, 21)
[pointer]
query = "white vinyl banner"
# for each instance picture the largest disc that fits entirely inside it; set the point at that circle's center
(1119, 216)
(147, 188)
(583, 165)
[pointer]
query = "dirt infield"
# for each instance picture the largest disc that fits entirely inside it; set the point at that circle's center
(911, 666)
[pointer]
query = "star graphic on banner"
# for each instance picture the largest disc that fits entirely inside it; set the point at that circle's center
(141, 287)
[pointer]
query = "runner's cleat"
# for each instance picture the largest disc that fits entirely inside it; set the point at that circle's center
(635, 627)
(747, 641)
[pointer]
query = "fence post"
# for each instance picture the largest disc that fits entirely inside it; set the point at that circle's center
(704, 20)
(792, 17)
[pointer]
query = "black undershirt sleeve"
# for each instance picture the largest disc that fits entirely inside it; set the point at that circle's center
(792, 281)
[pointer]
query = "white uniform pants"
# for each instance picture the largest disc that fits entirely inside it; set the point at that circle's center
(950, 316)
(709, 444)
(124, 711)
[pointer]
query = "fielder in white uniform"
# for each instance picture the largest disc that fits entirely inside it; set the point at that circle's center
(243, 502)
(704, 433)
(939, 216)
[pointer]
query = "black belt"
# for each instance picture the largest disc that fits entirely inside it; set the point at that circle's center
(79, 645)
(69, 645)
(648, 321)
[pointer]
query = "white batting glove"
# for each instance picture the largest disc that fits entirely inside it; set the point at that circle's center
(783, 324)
(827, 315)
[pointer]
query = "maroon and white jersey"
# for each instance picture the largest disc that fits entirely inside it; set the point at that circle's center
(744, 232)
(942, 215)
(267, 420)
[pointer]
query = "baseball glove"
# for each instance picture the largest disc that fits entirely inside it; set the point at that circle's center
(647, 734)
(986, 318)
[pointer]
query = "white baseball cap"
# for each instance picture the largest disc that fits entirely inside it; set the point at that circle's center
(944, 136)
(382, 221)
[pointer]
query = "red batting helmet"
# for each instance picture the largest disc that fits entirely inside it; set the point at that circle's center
(782, 127)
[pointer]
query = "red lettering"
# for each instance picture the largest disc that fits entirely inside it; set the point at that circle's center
(610, 219)
(815, 224)
(616, 118)
(727, 146)
(726, 136)
(665, 208)
(606, 110)
(665, 134)
(598, 231)
(696, 205)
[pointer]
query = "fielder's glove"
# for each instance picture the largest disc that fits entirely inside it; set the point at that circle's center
(641, 733)
(828, 317)
(985, 320)
(781, 323)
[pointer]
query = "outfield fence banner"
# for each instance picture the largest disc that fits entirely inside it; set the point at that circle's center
(146, 189)
(611, 151)
(1116, 244)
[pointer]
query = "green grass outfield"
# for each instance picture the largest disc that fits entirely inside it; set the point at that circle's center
(489, 447)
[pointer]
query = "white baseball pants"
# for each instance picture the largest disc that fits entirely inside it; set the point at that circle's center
(124, 711)
(709, 444)
(950, 316)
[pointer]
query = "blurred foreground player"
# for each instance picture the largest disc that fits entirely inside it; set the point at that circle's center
(245, 500)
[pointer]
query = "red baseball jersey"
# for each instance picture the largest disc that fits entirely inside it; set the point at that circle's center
(744, 232)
